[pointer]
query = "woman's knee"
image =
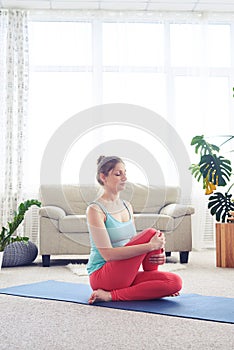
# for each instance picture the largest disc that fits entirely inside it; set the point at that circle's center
(177, 282)
(142, 237)
(149, 230)
(174, 282)
(148, 233)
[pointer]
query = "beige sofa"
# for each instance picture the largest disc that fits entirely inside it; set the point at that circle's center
(63, 228)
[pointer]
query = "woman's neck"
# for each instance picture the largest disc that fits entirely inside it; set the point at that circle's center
(113, 204)
(110, 197)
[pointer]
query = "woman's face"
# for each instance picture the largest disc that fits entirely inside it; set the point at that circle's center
(116, 178)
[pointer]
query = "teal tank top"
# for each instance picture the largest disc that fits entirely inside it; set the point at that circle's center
(120, 234)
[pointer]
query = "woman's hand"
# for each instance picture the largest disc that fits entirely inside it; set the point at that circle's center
(158, 259)
(157, 241)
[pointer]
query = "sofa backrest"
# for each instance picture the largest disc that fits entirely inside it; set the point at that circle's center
(150, 199)
(74, 199)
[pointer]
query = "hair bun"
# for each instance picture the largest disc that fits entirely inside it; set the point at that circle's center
(100, 159)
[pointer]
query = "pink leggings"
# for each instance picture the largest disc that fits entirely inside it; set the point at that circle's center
(124, 280)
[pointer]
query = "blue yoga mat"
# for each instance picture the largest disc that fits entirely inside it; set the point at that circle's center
(195, 306)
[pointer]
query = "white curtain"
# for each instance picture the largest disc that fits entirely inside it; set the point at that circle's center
(14, 71)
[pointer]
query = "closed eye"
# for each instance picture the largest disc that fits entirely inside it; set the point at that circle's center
(120, 174)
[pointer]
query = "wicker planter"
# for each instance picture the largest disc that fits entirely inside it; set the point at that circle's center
(1, 257)
(19, 253)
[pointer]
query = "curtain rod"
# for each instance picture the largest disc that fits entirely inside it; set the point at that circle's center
(117, 15)
(130, 15)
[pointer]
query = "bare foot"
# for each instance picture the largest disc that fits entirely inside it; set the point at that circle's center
(174, 294)
(99, 295)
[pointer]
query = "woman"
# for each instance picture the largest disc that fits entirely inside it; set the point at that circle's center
(117, 251)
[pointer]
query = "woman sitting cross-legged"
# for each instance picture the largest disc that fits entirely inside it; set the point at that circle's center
(117, 251)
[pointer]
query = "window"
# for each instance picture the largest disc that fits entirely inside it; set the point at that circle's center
(145, 89)
(133, 44)
(181, 71)
(218, 45)
(186, 45)
(60, 83)
(197, 45)
(200, 104)
(61, 44)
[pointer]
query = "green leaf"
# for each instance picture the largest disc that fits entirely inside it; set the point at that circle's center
(6, 234)
(220, 204)
(217, 169)
(22, 207)
(195, 171)
(19, 239)
(205, 147)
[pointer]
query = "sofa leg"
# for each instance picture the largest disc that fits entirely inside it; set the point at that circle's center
(45, 260)
(184, 257)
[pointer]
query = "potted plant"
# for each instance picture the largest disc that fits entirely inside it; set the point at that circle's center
(7, 235)
(215, 171)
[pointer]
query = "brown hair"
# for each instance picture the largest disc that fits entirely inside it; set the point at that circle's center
(106, 164)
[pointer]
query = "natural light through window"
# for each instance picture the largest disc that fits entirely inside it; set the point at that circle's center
(151, 147)
(181, 71)
(133, 44)
(61, 44)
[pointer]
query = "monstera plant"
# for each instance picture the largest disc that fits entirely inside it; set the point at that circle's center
(214, 171)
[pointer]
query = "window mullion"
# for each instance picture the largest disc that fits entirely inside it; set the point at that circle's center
(170, 88)
(97, 62)
(231, 79)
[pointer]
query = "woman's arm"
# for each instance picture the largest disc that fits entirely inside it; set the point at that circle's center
(102, 241)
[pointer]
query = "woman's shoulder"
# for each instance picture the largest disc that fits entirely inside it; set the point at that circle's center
(95, 207)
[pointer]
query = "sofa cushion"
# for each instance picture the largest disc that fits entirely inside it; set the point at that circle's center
(177, 210)
(163, 223)
(73, 223)
(77, 223)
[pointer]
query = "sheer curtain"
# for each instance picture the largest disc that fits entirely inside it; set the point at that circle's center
(13, 108)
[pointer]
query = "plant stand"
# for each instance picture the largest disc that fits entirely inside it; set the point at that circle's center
(225, 245)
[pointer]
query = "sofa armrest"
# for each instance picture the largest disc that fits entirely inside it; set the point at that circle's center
(52, 212)
(177, 210)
